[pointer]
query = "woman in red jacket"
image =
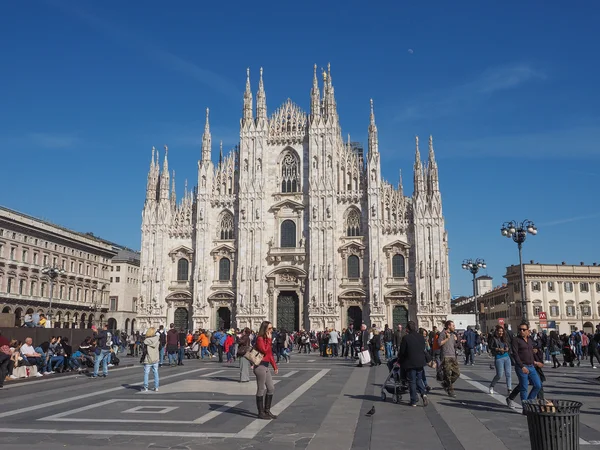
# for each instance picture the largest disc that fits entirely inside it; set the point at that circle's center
(264, 380)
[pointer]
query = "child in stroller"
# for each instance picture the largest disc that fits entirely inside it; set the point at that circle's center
(396, 382)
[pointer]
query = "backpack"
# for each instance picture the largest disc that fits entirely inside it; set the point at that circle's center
(162, 339)
(116, 340)
(577, 337)
(388, 335)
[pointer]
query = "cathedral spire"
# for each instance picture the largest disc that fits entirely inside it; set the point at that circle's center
(206, 140)
(261, 99)
(373, 138)
(247, 112)
(173, 195)
(432, 170)
(328, 93)
(418, 170)
(400, 184)
(315, 95)
(221, 153)
(152, 179)
(164, 178)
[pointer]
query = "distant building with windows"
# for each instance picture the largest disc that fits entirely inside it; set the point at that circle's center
(124, 290)
(27, 245)
(568, 294)
(296, 225)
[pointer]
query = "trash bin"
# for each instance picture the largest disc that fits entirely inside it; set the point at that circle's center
(553, 424)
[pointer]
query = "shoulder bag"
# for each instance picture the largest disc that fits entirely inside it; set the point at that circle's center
(254, 356)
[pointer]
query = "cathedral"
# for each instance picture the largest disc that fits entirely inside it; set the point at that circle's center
(295, 226)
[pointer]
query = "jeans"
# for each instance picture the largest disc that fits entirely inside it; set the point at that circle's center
(204, 351)
(180, 355)
(469, 355)
(388, 350)
(154, 368)
(172, 358)
(503, 366)
(334, 349)
(524, 380)
(161, 354)
(415, 383)
(103, 357)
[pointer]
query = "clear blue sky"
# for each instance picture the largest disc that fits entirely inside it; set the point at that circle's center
(509, 90)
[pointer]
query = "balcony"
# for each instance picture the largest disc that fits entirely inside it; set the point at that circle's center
(295, 254)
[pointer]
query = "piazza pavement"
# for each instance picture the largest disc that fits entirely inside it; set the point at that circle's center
(321, 403)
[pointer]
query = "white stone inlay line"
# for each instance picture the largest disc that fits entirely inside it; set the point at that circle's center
(251, 430)
(205, 375)
(501, 399)
(14, 412)
(150, 410)
(289, 374)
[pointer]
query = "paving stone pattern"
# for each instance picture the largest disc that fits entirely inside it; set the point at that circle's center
(322, 404)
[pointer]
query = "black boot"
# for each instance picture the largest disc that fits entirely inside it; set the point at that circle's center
(260, 405)
(268, 401)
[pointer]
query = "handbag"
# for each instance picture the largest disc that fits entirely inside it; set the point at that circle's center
(254, 356)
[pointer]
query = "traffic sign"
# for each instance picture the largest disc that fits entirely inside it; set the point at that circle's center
(501, 321)
(543, 316)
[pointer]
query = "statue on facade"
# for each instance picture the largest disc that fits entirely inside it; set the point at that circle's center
(256, 273)
(437, 270)
(242, 277)
(314, 212)
(330, 299)
(329, 272)
(328, 212)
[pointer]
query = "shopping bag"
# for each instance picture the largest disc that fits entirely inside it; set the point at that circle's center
(364, 357)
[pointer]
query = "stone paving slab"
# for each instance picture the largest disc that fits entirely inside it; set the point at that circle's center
(322, 404)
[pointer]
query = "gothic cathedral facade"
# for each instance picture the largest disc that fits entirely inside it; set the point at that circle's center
(295, 227)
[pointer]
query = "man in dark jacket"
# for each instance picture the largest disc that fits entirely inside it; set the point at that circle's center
(364, 342)
(172, 344)
(470, 341)
(412, 359)
(388, 338)
(103, 342)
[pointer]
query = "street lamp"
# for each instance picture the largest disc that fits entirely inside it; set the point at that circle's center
(518, 233)
(473, 266)
(52, 273)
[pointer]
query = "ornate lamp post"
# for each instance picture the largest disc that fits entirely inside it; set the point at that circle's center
(52, 273)
(518, 232)
(473, 266)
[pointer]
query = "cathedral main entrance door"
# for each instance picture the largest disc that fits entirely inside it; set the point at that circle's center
(355, 316)
(400, 316)
(288, 311)
(181, 318)
(223, 318)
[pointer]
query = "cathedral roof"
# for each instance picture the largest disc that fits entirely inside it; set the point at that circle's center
(288, 123)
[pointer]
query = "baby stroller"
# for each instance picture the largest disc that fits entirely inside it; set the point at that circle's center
(395, 383)
(192, 351)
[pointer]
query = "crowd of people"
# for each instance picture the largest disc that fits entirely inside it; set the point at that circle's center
(526, 352)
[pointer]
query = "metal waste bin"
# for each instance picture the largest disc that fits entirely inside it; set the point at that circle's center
(553, 424)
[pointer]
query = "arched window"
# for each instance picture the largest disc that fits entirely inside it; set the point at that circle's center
(183, 270)
(288, 233)
(353, 266)
(398, 266)
(353, 223)
(226, 226)
(224, 269)
(290, 173)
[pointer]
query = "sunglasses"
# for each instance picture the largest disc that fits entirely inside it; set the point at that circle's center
(523, 329)
(270, 329)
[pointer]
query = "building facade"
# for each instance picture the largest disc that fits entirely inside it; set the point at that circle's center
(124, 290)
(293, 226)
(568, 294)
(79, 296)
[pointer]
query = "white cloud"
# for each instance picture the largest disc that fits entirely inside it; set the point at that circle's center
(578, 141)
(562, 221)
(470, 94)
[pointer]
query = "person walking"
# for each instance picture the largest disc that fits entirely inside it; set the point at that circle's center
(264, 380)
(525, 364)
(501, 352)
(243, 348)
(151, 357)
(450, 369)
(412, 359)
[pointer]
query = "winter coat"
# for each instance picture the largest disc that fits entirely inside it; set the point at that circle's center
(152, 355)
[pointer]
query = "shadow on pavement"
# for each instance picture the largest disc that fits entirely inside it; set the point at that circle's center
(234, 410)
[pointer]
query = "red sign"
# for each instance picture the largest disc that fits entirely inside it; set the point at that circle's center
(501, 321)
(543, 324)
(543, 316)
